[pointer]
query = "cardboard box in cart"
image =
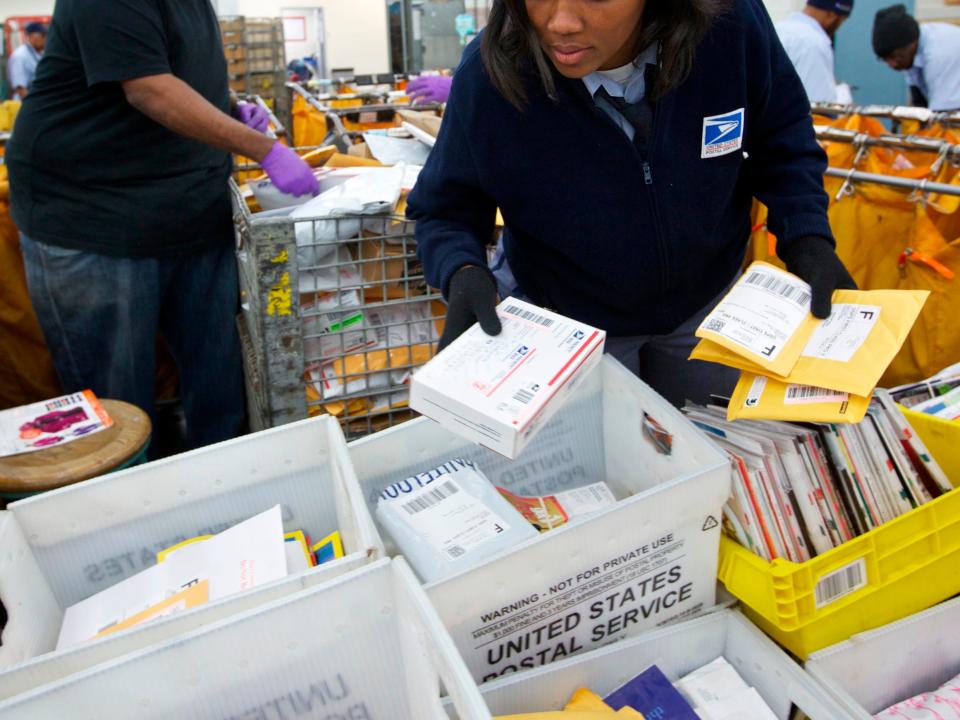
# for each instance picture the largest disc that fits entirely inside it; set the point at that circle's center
(366, 646)
(648, 560)
(677, 650)
(64, 546)
(874, 670)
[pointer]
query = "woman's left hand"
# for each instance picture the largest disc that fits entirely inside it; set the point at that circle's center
(814, 260)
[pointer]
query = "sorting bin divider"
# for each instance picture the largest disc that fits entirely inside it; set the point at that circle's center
(677, 650)
(624, 405)
(876, 669)
(428, 634)
(361, 640)
(355, 531)
(33, 614)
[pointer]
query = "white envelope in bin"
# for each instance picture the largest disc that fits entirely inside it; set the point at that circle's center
(364, 646)
(64, 546)
(649, 560)
(677, 650)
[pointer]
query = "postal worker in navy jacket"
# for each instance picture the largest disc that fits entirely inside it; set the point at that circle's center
(623, 141)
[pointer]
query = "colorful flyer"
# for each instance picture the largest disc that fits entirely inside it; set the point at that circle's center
(51, 423)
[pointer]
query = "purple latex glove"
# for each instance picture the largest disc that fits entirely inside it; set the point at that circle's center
(288, 172)
(430, 89)
(253, 116)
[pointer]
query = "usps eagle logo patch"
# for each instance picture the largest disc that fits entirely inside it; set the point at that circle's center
(722, 134)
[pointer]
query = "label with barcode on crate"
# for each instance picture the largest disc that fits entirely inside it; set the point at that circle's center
(761, 313)
(450, 519)
(528, 315)
(810, 395)
(841, 583)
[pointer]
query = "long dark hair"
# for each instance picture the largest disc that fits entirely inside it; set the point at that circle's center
(510, 44)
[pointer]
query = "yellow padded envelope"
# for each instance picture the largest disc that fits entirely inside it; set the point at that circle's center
(848, 352)
(584, 705)
(765, 318)
(758, 397)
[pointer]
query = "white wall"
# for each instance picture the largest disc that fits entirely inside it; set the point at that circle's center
(779, 9)
(10, 8)
(357, 31)
(937, 10)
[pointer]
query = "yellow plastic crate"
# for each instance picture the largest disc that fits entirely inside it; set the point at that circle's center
(942, 438)
(911, 563)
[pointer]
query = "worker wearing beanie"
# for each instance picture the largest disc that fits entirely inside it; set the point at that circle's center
(808, 37)
(624, 143)
(928, 53)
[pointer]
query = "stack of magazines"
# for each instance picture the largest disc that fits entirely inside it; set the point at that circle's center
(802, 489)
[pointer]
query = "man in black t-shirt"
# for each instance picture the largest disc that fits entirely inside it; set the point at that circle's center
(119, 164)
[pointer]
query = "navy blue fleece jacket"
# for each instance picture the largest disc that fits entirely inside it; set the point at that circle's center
(632, 243)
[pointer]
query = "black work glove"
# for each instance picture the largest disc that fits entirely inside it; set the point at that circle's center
(472, 298)
(814, 260)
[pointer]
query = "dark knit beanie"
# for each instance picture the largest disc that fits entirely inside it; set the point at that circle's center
(893, 28)
(840, 7)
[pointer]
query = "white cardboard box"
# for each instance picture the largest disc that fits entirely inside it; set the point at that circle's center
(498, 391)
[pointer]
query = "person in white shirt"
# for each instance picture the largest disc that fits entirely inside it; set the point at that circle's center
(22, 65)
(928, 53)
(807, 36)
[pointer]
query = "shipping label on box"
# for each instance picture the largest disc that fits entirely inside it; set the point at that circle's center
(498, 391)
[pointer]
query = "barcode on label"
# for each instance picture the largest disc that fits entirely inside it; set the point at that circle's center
(527, 315)
(431, 498)
(62, 402)
(809, 393)
(455, 551)
(840, 583)
(523, 396)
(715, 324)
(780, 287)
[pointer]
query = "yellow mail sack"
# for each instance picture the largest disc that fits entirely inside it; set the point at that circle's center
(849, 351)
(765, 318)
(758, 397)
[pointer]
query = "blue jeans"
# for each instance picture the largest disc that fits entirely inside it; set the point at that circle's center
(100, 316)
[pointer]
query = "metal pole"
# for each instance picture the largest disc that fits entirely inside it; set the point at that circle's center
(924, 186)
(908, 142)
(892, 112)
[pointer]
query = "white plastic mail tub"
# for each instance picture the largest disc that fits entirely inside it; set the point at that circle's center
(366, 646)
(677, 650)
(649, 560)
(877, 669)
(64, 546)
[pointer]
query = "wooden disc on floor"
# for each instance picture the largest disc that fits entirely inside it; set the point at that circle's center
(82, 459)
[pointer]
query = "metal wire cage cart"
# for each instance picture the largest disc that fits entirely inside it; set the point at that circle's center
(336, 315)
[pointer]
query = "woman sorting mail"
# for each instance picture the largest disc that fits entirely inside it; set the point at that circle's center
(623, 141)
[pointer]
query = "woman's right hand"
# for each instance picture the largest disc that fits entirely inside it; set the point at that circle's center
(472, 298)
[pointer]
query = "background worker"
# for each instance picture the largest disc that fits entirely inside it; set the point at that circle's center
(808, 37)
(624, 142)
(928, 53)
(119, 166)
(428, 89)
(22, 65)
